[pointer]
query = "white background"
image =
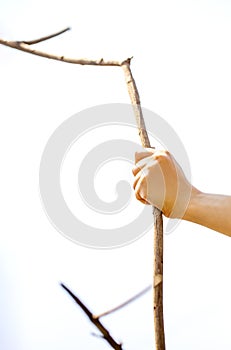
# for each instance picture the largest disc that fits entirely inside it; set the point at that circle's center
(182, 68)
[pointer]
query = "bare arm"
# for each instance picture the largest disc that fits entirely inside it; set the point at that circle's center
(210, 210)
(160, 181)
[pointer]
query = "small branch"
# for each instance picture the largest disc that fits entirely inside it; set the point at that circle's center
(95, 321)
(124, 303)
(158, 221)
(20, 45)
(36, 41)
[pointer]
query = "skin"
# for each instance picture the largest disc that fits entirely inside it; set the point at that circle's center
(160, 181)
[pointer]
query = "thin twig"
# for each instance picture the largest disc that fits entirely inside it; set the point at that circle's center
(158, 221)
(124, 303)
(47, 37)
(95, 321)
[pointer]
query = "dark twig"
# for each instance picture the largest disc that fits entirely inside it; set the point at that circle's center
(95, 321)
(124, 303)
(36, 41)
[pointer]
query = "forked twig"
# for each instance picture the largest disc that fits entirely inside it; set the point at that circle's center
(95, 321)
(26, 47)
(135, 100)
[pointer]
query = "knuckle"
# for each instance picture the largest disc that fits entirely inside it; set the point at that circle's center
(161, 155)
(167, 153)
(150, 150)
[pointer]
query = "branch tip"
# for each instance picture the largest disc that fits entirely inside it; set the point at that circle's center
(47, 37)
(127, 61)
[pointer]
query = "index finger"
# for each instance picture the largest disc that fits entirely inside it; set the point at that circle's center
(141, 155)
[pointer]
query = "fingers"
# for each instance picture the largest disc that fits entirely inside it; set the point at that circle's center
(140, 155)
(141, 164)
(144, 164)
(138, 176)
(144, 161)
(137, 188)
(141, 159)
(139, 171)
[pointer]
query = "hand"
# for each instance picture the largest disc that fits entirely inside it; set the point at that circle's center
(160, 181)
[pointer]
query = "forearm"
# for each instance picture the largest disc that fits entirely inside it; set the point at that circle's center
(210, 210)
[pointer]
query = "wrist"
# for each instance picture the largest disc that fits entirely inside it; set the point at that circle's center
(193, 205)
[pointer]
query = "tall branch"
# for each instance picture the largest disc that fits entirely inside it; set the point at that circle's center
(158, 221)
(94, 320)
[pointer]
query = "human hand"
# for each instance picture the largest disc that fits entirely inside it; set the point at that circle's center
(160, 181)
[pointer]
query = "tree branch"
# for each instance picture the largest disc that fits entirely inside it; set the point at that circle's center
(95, 321)
(158, 221)
(23, 46)
(135, 100)
(124, 303)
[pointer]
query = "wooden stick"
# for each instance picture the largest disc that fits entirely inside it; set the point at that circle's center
(158, 221)
(158, 280)
(94, 320)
